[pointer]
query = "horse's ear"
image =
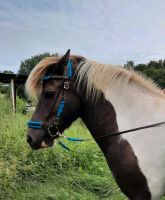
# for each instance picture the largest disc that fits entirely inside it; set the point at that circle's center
(63, 61)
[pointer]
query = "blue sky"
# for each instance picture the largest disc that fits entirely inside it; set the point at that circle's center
(109, 31)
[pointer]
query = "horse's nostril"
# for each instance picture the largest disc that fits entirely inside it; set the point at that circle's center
(29, 139)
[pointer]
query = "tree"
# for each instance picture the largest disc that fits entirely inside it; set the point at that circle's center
(129, 65)
(7, 72)
(154, 70)
(28, 64)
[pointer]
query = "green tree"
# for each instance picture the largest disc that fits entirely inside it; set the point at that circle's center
(7, 72)
(158, 75)
(140, 67)
(154, 70)
(28, 64)
(129, 65)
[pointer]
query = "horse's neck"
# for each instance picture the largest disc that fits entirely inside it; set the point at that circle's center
(135, 106)
(100, 119)
(126, 109)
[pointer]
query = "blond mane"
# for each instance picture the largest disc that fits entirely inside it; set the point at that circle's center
(96, 78)
(33, 85)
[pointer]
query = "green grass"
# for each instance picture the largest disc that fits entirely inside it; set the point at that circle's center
(50, 174)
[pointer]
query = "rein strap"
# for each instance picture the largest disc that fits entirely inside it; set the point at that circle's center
(109, 135)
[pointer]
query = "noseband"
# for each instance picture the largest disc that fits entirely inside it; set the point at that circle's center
(53, 129)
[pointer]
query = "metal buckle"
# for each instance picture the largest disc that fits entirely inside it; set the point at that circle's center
(56, 121)
(50, 132)
(66, 85)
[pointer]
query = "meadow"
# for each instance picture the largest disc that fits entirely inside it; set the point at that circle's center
(50, 174)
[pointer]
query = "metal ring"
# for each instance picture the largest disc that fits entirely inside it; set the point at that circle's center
(66, 85)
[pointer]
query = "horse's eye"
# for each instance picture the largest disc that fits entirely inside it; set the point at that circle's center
(49, 93)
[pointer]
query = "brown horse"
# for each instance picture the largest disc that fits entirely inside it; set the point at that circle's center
(108, 99)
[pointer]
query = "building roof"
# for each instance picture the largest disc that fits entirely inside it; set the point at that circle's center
(6, 78)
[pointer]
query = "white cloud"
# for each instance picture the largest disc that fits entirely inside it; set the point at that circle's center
(107, 31)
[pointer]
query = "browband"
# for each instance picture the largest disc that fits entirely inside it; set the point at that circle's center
(68, 75)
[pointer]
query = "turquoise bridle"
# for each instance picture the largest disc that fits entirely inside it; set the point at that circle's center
(53, 129)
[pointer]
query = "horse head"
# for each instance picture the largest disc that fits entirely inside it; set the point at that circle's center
(58, 104)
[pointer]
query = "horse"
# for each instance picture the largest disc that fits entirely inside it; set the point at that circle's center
(108, 99)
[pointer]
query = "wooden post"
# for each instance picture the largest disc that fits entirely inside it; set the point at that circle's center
(13, 96)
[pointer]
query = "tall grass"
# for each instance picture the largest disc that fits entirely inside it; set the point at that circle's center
(51, 173)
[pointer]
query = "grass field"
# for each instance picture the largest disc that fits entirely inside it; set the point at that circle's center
(50, 174)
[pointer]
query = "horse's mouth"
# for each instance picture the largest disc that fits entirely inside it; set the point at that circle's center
(47, 143)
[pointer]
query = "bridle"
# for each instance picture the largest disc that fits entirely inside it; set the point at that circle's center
(53, 130)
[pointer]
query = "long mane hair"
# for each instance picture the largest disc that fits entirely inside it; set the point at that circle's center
(94, 77)
(33, 85)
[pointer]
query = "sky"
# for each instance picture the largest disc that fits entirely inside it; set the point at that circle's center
(108, 31)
